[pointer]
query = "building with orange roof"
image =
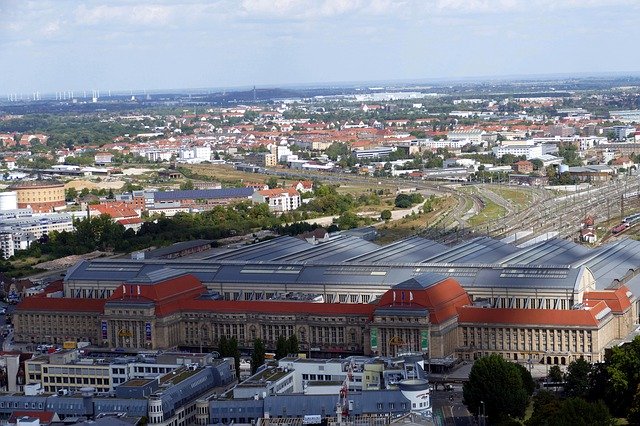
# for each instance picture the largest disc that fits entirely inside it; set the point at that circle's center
(551, 302)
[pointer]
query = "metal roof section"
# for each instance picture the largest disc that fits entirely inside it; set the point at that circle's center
(337, 249)
(175, 248)
(414, 249)
(265, 250)
(333, 274)
(612, 263)
(420, 282)
(478, 250)
(550, 252)
(324, 265)
(157, 276)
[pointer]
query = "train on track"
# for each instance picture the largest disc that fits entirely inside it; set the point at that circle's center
(626, 223)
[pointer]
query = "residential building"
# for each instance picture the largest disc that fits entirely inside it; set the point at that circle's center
(280, 200)
(264, 159)
(103, 158)
(121, 213)
(620, 133)
(19, 228)
(194, 155)
(562, 130)
(523, 166)
(378, 152)
(528, 151)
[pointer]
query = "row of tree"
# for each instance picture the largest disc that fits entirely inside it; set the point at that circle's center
(593, 393)
(284, 347)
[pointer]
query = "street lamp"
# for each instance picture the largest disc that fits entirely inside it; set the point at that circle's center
(483, 411)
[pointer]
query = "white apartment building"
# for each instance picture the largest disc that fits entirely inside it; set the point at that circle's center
(195, 154)
(19, 228)
(279, 200)
(529, 151)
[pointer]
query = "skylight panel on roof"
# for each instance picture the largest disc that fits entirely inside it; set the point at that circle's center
(113, 268)
(350, 270)
(271, 270)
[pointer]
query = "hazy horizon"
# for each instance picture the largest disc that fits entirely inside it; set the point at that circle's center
(122, 45)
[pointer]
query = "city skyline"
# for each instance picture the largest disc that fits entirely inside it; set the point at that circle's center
(124, 45)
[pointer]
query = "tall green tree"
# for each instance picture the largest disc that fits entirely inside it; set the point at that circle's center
(550, 411)
(282, 347)
(293, 344)
(555, 374)
(272, 182)
(257, 356)
(497, 385)
(577, 378)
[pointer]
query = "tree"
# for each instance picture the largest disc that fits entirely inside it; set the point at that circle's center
(293, 345)
(348, 220)
(577, 378)
(272, 182)
(402, 201)
(70, 194)
(497, 385)
(548, 410)
(385, 214)
(282, 347)
(257, 356)
(555, 374)
(187, 185)
(527, 379)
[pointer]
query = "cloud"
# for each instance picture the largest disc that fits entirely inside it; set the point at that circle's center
(319, 9)
(132, 15)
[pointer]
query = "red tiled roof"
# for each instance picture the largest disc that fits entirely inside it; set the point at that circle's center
(277, 192)
(539, 317)
(441, 299)
(129, 221)
(185, 286)
(115, 210)
(617, 299)
(45, 417)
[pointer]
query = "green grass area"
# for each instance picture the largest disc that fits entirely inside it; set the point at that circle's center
(490, 212)
(519, 197)
(408, 226)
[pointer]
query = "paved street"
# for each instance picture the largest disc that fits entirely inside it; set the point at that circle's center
(448, 408)
(5, 342)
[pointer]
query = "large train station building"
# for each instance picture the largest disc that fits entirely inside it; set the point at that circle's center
(550, 302)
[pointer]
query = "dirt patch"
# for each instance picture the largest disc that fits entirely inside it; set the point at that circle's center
(133, 171)
(81, 184)
(68, 261)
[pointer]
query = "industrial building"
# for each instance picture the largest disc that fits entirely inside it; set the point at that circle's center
(40, 195)
(553, 301)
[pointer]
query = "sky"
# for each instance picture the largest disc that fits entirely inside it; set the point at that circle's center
(58, 45)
